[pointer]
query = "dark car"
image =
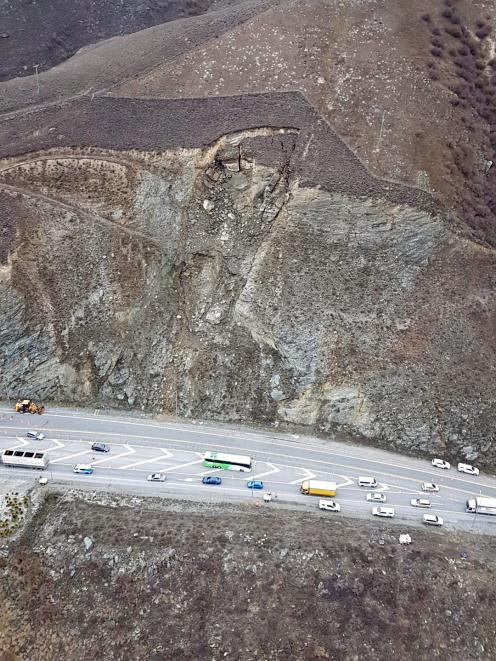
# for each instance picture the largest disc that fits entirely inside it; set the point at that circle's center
(212, 480)
(100, 447)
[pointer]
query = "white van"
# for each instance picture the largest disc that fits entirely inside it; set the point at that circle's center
(83, 468)
(369, 482)
(330, 505)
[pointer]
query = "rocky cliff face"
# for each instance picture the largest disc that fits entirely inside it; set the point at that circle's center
(231, 258)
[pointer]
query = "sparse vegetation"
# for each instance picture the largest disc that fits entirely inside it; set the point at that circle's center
(195, 582)
(13, 512)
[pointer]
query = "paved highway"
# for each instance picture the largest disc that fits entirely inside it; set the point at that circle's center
(140, 446)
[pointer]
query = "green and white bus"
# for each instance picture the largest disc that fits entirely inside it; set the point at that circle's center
(233, 462)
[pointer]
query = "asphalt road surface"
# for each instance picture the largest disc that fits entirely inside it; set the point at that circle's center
(282, 461)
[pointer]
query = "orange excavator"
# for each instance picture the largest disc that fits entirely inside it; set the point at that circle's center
(28, 406)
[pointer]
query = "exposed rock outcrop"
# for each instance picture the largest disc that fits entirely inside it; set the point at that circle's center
(220, 281)
(183, 229)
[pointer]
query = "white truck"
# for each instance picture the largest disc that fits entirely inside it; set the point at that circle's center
(481, 505)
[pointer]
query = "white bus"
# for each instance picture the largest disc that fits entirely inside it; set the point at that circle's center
(233, 462)
(25, 458)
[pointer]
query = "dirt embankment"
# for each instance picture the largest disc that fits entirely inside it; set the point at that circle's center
(160, 580)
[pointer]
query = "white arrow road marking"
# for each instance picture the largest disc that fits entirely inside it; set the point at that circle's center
(383, 487)
(308, 476)
(255, 477)
(22, 443)
(70, 456)
(167, 454)
(130, 450)
(345, 483)
(58, 444)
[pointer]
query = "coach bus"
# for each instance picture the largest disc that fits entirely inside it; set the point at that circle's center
(233, 462)
(25, 458)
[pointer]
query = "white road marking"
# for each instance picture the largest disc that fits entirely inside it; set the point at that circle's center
(476, 486)
(165, 452)
(58, 444)
(173, 468)
(255, 477)
(70, 456)
(383, 487)
(22, 443)
(308, 476)
(274, 441)
(130, 450)
(346, 482)
(247, 436)
(209, 472)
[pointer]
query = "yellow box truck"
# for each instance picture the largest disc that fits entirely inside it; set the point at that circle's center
(318, 488)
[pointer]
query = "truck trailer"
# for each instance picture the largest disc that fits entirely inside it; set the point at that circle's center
(481, 505)
(318, 488)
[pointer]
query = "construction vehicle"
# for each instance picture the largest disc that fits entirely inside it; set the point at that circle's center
(28, 406)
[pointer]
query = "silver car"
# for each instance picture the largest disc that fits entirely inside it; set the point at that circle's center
(156, 477)
(430, 486)
(35, 434)
(432, 520)
(420, 502)
(376, 497)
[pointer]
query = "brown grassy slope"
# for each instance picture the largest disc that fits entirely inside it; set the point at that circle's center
(95, 68)
(409, 86)
(48, 33)
(231, 582)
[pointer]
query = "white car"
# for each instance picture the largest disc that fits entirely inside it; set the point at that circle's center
(156, 477)
(383, 511)
(376, 497)
(329, 505)
(467, 468)
(420, 502)
(432, 520)
(35, 434)
(43, 480)
(440, 463)
(430, 486)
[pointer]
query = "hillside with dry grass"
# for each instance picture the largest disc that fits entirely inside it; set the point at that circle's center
(168, 580)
